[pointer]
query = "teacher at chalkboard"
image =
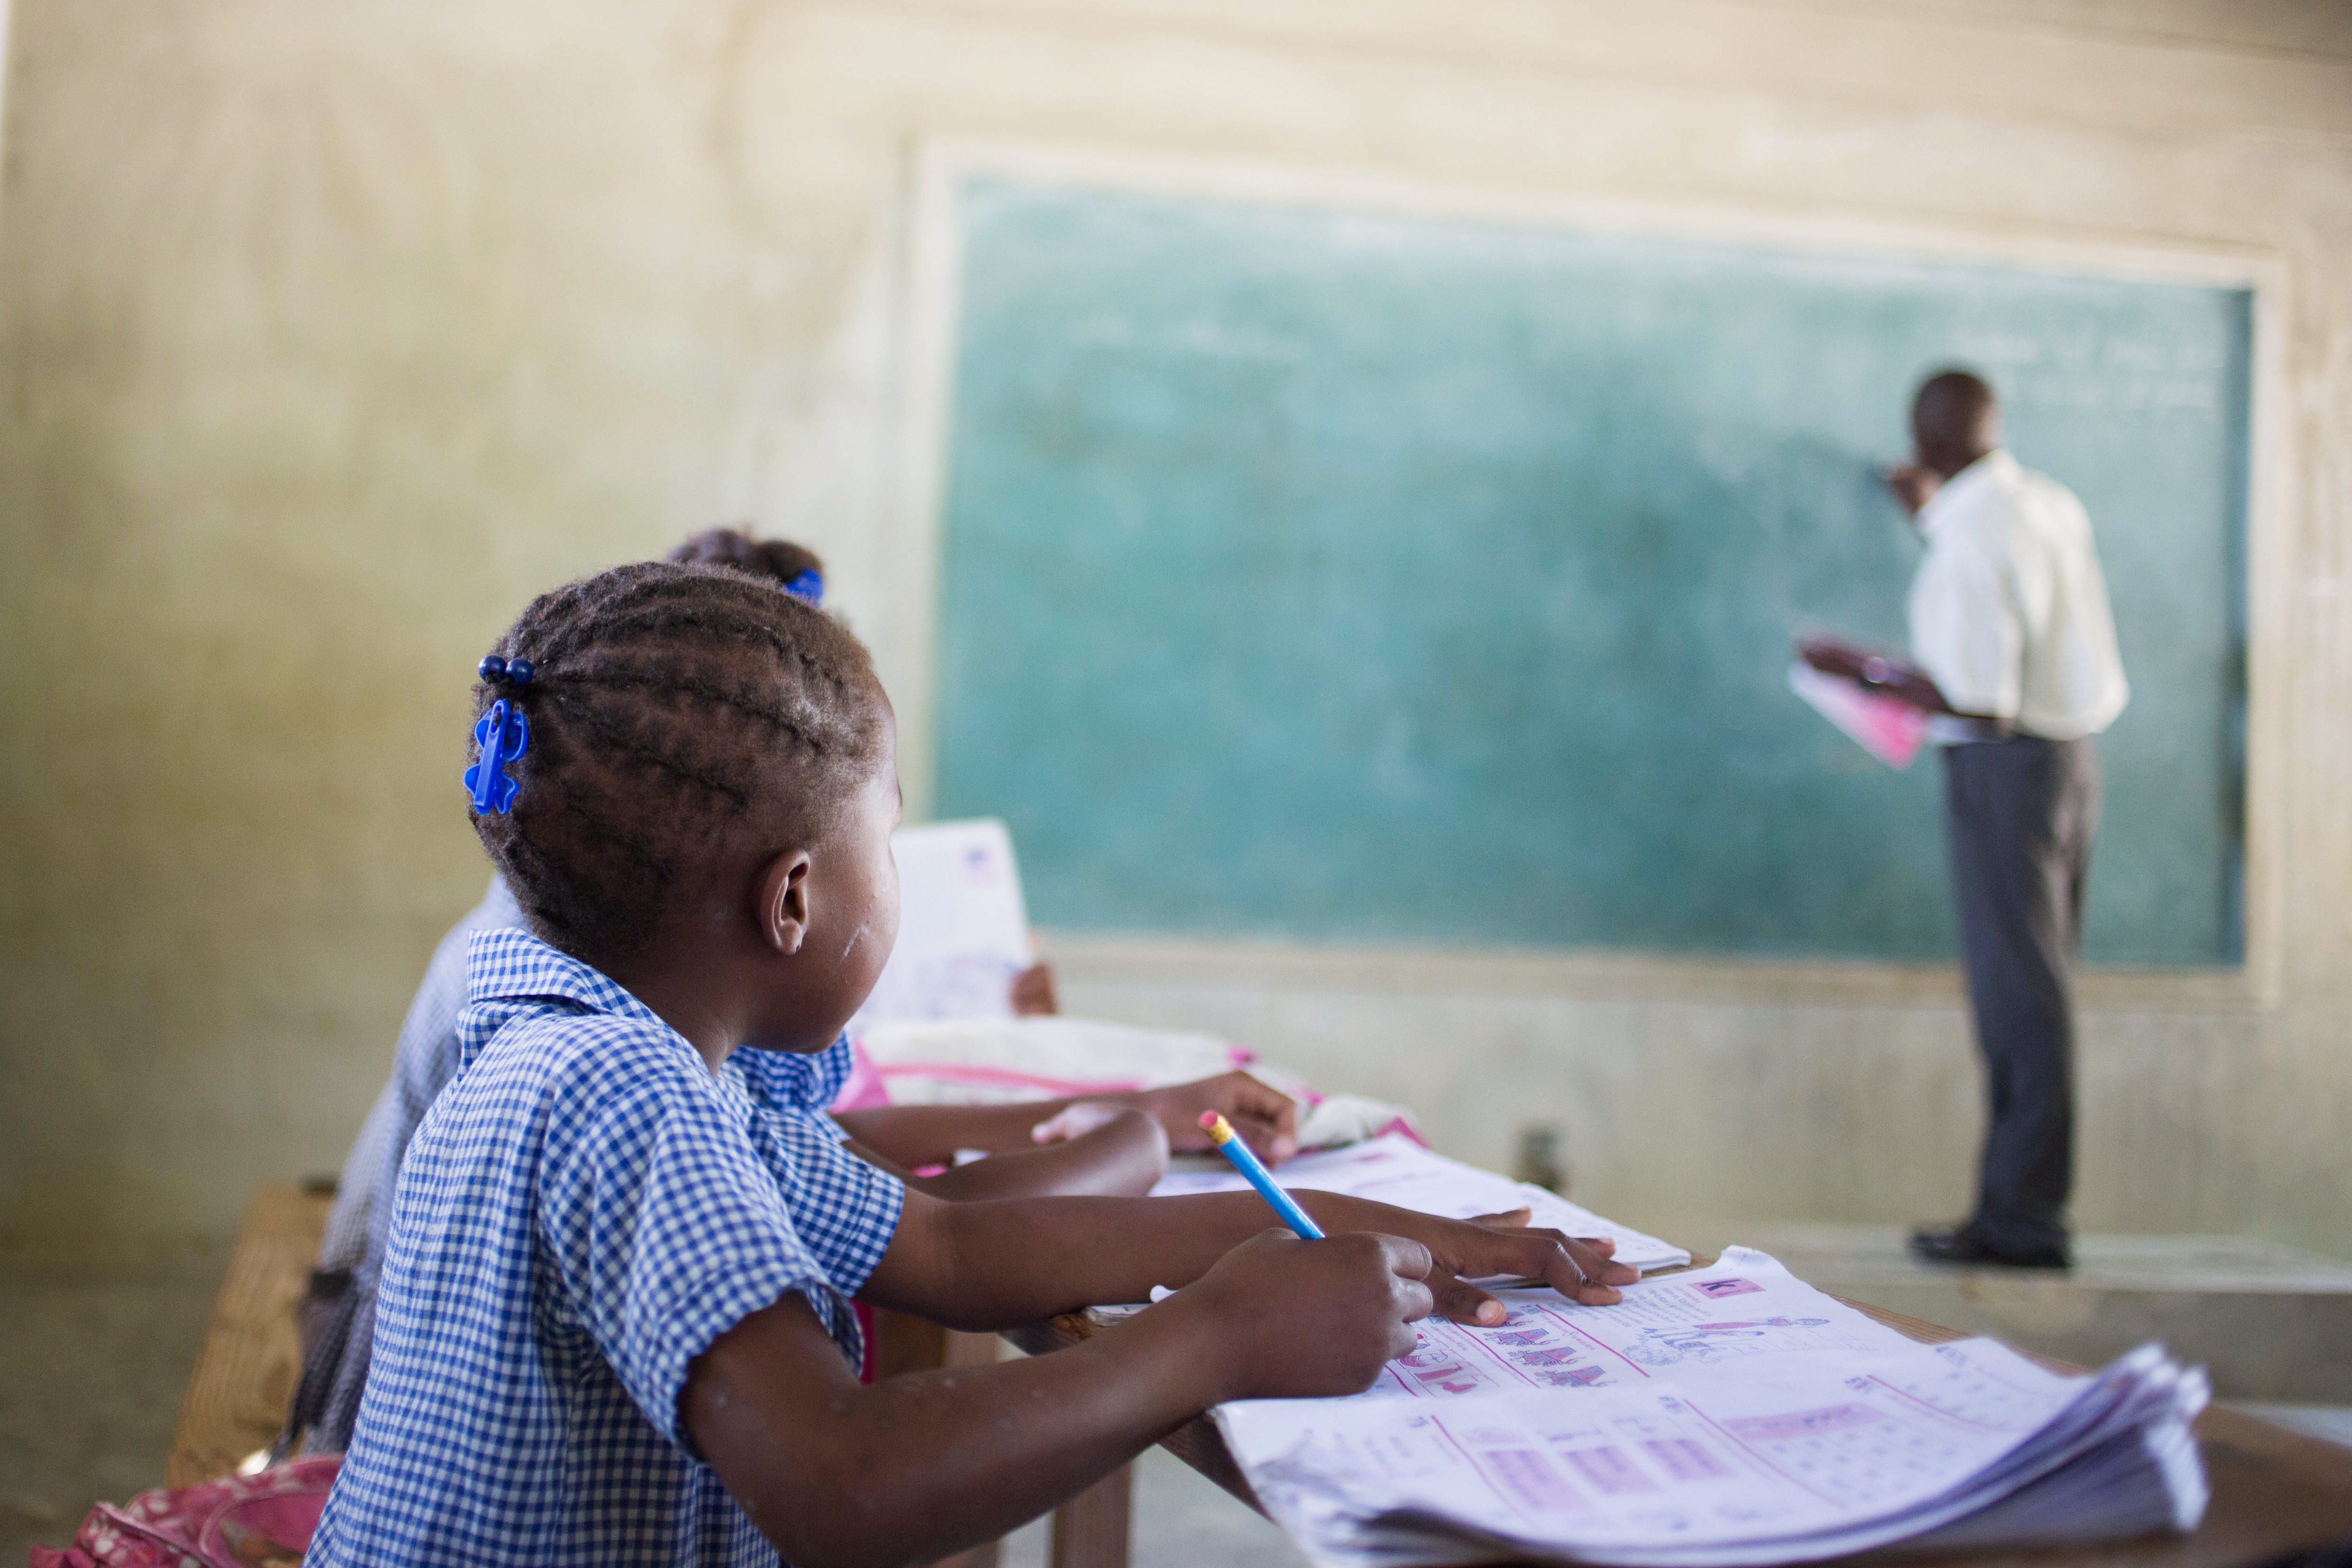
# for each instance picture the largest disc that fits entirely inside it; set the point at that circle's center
(2014, 652)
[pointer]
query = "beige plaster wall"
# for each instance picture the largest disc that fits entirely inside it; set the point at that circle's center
(331, 333)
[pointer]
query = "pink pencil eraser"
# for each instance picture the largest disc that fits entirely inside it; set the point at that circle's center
(1209, 1120)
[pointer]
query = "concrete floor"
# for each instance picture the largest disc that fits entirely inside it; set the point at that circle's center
(2331, 1422)
(1180, 1521)
(93, 1364)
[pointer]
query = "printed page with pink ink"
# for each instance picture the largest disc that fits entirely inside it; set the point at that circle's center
(1732, 1415)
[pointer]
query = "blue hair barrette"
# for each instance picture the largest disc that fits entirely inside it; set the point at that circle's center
(807, 586)
(503, 734)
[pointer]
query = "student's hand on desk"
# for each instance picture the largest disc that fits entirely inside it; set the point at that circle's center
(1031, 993)
(1460, 1250)
(1267, 1118)
(1295, 1320)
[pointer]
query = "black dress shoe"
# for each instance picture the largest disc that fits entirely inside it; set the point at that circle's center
(1959, 1244)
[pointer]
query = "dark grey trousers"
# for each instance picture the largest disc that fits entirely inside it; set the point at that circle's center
(2019, 815)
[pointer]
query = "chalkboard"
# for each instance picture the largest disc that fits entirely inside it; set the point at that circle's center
(1349, 578)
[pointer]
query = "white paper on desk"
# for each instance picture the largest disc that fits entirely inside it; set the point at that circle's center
(1738, 1318)
(1394, 1169)
(1890, 730)
(1822, 1453)
(1624, 1472)
(963, 929)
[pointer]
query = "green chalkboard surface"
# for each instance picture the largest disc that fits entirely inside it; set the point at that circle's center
(1346, 578)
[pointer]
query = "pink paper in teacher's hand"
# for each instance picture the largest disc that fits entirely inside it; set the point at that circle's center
(1890, 730)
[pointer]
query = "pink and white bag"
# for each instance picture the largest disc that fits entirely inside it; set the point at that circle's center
(260, 1521)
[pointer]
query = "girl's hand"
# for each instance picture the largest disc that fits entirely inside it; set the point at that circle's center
(1032, 992)
(1078, 1118)
(1308, 1320)
(1267, 1118)
(1460, 1250)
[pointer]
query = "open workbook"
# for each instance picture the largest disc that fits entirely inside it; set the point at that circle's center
(1729, 1415)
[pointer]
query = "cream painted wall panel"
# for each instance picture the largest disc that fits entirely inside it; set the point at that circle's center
(331, 337)
(1693, 1113)
(1700, 1113)
(1885, 56)
(2283, 26)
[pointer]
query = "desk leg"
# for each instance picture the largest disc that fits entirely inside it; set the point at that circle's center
(1090, 1529)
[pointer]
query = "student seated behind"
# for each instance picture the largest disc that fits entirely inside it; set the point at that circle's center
(1124, 1154)
(614, 1324)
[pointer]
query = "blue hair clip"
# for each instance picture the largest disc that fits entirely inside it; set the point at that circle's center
(503, 734)
(807, 586)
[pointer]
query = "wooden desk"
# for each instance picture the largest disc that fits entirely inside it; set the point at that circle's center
(2274, 1491)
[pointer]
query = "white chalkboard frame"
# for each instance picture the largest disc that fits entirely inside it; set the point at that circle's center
(924, 318)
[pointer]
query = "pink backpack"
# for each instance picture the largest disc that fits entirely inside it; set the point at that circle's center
(261, 1520)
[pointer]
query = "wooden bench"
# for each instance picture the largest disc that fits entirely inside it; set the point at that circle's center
(244, 1377)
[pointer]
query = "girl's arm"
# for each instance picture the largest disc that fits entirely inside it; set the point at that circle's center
(1126, 1156)
(994, 1265)
(839, 1475)
(915, 1136)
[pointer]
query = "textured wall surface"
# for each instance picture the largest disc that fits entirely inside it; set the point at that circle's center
(331, 333)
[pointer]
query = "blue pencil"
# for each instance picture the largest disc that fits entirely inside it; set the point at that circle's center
(1221, 1132)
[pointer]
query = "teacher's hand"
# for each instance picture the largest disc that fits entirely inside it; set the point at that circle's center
(1832, 657)
(1913, 487)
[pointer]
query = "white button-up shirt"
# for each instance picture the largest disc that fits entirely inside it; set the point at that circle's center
(2009, 611)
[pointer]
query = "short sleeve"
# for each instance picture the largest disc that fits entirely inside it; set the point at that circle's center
(664, 1225)
(1965, 629)
(845, 1210)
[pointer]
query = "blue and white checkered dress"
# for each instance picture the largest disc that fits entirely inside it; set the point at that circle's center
(582, 1211)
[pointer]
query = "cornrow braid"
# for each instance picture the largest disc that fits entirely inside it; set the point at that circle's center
(677, 712)
(779, 559)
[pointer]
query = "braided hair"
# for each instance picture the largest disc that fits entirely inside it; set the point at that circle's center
(779, 559)
(676, 712)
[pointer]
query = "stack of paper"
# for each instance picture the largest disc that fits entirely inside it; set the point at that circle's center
(1733, 1415)
(1393, 1169)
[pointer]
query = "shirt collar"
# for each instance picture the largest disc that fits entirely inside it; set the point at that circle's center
(1994, 467)
(510, 966)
